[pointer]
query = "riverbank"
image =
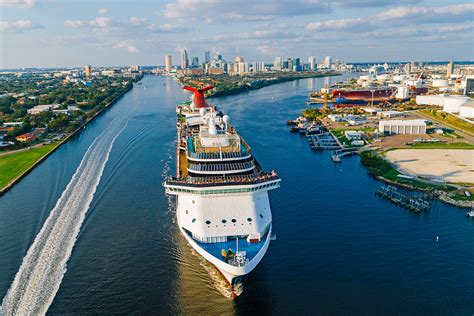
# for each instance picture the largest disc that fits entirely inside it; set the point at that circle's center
(15, 166)
(383, 170)
(231, 85)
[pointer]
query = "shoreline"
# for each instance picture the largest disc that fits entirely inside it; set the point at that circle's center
(14, 181)
(263, 83)
(380, 171)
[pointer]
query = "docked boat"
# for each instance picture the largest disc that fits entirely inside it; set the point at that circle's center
(471, 213)
(222, 204)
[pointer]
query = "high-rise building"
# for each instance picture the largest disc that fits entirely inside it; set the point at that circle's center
(195, 62)
(88, 71)
(242, 67)
(184, 59)
(258, 67)
(289, 64)
(207, 57)
(278, 63)
(218, 56)
(450, 69)
(297, 64)
(312, 63)
(327, 62)
(168, 63)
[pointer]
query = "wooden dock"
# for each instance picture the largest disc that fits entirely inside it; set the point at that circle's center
(416, 204)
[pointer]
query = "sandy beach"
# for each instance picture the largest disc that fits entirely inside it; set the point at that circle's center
(453, 165)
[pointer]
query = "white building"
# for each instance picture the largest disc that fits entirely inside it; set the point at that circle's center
(168, 63)
(312, 63)
(184, 60)
(467, 110)
(450, 103)
(258, 67)
(241, 68)
(278, 63)
(327, 62)
(353, 135)
(402, 127)
(41, 108)
(390, 114)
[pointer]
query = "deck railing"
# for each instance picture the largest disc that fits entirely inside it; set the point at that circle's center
(223, 180)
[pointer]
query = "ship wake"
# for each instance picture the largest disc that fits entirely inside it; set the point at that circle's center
(42, 270)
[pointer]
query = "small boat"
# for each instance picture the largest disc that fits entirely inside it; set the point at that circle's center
(336, 158)
(471, 213)
(294, 129)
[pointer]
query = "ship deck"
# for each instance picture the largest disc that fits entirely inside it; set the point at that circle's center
(215, 249)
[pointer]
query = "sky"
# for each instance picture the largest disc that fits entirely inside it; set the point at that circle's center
(54, 33)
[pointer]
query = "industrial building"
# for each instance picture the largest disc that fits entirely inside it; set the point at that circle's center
(449, 103)
(467, 110)
(402, 127)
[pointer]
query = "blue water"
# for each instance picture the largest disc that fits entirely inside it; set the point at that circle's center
(339, 249)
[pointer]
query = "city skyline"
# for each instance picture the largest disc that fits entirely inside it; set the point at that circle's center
(104, 33)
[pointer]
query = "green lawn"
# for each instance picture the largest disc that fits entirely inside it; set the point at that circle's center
(450, 120)
(442, 146)
(11, 166)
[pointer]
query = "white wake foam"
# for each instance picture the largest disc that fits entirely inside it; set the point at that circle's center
(42, 270)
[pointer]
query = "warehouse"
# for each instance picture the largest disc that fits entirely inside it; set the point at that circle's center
(402, 127)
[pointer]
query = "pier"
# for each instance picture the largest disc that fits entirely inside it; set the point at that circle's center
(343, 152)
(323, 142)
(416, 204)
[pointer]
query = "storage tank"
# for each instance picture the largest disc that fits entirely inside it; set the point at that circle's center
(452, 103)
(436, 83)
(399, 77)
(467, 110)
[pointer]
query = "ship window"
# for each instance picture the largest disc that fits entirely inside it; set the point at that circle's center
(208, 222)
(187, 212)
(224, 221)
(261, 215)
(193, 201)
(249, 219)
(194, 220)
(234, 220)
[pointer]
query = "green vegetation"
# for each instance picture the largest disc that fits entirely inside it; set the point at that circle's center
(13, 165)
(377, 166)
(339, 133)
(450, 120)
(228, 85)
(442, 146)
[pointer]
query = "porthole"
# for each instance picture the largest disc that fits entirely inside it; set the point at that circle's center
(261, 216)
(208, 222)
(234, 220)
(194, 220)
(224, 221)
(249, 219)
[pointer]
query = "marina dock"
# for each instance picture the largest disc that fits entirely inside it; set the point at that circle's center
(414, 203)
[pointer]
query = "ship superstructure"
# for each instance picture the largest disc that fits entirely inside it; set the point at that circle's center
(223, 209)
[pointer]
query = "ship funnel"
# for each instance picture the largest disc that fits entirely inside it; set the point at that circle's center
(198, 99)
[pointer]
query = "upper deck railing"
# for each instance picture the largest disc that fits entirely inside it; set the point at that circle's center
(223, 180)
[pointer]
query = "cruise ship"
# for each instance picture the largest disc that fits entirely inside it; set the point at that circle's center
(222, 204)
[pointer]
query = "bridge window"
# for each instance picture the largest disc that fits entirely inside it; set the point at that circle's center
(234, 220)
(249, 219)
(194, 220)
(208, 222)
(224, 221)
(261, 216)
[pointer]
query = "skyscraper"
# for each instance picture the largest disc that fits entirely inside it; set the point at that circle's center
(312, 63)
(207, 57)
(278, 63)
(168, 63)
(88, 71)
(184, 60)
(327, 62)
(195, 62)
(450, 69)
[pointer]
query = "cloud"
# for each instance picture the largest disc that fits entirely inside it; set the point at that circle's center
(127, 46)
(337, 25)
(18, 26)
(372, 3)
(74, 23)
(449, 13)
(211, 11)
(103, 11)
(22, 4)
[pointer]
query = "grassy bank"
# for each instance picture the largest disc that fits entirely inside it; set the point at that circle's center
(13, 165)
(379, 167)
(450, 120)
(442, 146)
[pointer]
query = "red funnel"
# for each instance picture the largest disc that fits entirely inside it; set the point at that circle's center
(199, 100)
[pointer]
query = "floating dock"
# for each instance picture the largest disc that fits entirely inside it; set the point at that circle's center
(416, 204)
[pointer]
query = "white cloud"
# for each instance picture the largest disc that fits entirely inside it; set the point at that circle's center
(103, 11)
(127, 46)
(336, 25)
(101, 21)
(74, 23)
(449, 13)
(18, 26)
(22, 4)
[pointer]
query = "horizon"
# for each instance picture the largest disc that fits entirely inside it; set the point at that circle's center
(57, 34)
